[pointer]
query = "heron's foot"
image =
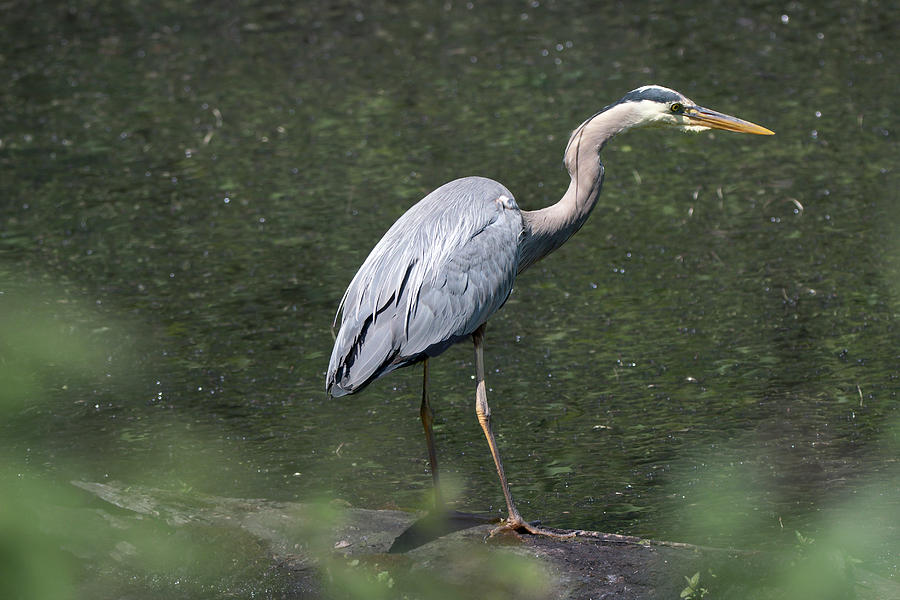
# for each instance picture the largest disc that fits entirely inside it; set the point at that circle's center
(519, 525)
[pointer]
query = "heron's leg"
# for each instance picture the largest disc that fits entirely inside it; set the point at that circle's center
(484, 418)
(514, 520)
(427, 415)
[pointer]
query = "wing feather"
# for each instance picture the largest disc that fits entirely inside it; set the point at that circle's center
(438, 273)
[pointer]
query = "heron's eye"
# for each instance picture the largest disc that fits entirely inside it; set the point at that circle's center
(677, 107)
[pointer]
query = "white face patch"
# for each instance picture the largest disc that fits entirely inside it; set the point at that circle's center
(648, 113)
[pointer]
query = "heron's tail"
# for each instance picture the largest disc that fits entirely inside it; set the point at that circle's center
(358, 360)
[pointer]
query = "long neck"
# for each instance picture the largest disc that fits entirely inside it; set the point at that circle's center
(548, 228)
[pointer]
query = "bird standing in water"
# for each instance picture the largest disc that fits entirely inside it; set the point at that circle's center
(450, 262)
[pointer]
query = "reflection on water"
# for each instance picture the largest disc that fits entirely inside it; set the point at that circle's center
(203, 184)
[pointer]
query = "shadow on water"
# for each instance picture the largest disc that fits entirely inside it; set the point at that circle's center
(187, 190)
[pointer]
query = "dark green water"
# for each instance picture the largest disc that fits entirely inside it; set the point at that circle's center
(185, 192)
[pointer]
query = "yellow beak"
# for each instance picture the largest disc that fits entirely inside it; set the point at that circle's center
(697, 115)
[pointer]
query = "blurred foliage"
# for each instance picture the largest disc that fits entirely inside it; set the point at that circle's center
(693, 590)
(56, 542)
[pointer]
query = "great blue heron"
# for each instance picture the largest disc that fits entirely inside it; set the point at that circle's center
(450, 262)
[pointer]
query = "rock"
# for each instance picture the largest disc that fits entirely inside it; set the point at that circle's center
(225, 546)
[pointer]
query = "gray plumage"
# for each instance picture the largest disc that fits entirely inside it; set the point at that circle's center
(438, 273)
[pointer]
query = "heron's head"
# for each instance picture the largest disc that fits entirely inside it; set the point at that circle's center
(654, 105)
(649, 106)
